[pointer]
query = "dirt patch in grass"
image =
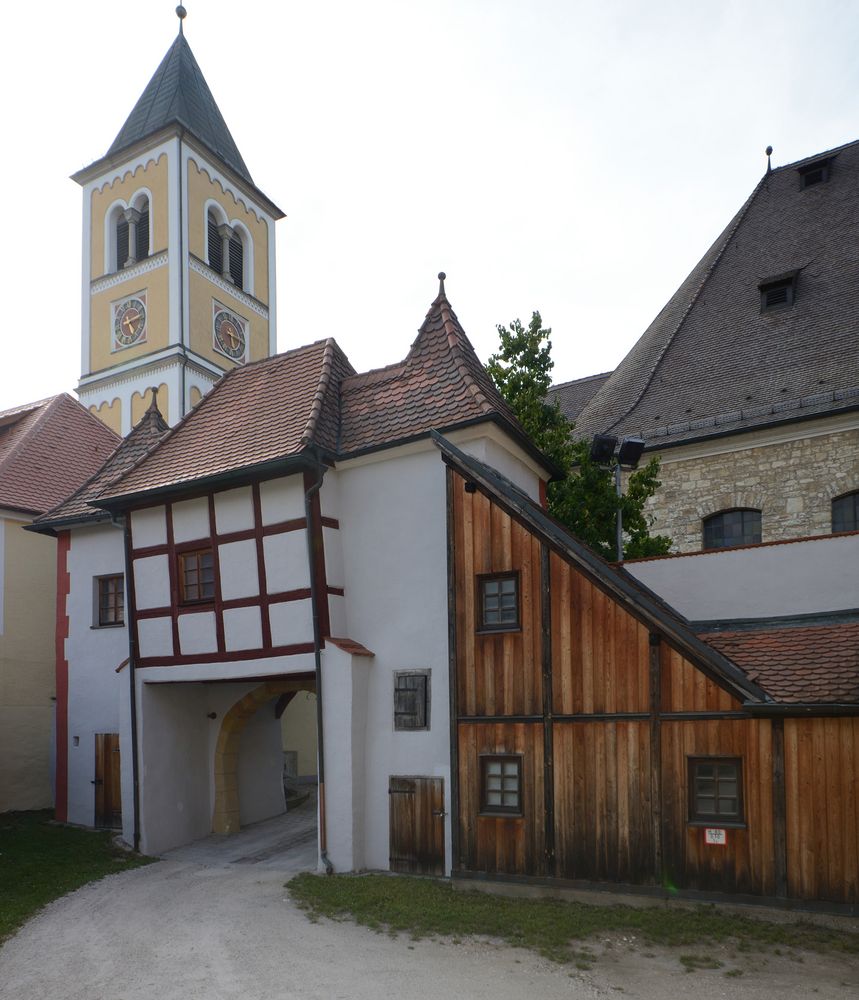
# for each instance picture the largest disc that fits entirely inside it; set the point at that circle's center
(556, 929)
(41, 860)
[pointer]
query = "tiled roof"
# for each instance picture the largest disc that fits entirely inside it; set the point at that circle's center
(47, 449)
(260, 413)
(439, 385)
(572, 397)
(349, 646)
(311, 397)
(178, 94)
(711, 362)
(797, 664)
(76, 509)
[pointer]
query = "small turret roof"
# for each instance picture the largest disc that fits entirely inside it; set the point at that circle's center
(178, 94)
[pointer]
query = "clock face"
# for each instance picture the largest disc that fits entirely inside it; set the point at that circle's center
(230, 336)
(129, 322)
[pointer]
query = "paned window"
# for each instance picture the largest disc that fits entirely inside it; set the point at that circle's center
(197, 576)
(501, 784)
(730, 528)
(110, 597)
(411, 700)
(716, 789)
(845, 512)
(498, 601)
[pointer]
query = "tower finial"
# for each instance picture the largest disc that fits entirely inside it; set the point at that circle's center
(153, 404)
(769, 161)
(441, 277)
(181, 13)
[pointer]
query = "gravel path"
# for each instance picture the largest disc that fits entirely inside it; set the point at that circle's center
(195, 927)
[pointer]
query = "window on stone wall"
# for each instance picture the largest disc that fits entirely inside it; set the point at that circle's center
(845, 512)
(197, 576)
(731, 528)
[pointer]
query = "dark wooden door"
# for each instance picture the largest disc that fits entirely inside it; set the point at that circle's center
(417, 825)
(108, 797)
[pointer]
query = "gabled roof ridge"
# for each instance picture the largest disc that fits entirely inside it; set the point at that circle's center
(26, 407)
(329, 353)
(578, 381)
(33, 431)
(725, 240)
(817, 156)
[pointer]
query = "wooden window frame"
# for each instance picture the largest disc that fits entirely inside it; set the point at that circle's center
(180, 573)
(491, 627)
(425, 725)
(697, 818)
(118, 603)
(500, 810)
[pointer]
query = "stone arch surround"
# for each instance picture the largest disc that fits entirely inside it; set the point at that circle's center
(225, 818)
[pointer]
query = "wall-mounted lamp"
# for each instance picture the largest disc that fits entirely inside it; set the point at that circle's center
(471, 487)
(605, 451)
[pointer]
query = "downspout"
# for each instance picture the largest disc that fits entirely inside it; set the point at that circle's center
(317, 660)
(184, 361)
(132, 657)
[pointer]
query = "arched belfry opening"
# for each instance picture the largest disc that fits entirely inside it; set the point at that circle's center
(269, 696)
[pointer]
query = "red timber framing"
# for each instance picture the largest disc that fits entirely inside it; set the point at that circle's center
(264, 600)
(607, 704)
(61, 798)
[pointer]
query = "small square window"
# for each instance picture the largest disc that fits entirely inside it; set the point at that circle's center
(716, 790)
(110, 600)
(196, 576)
(498, 602)
(411, 700)
(501, 784)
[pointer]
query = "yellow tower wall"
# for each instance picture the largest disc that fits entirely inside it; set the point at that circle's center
(202, 291)
(156, 285)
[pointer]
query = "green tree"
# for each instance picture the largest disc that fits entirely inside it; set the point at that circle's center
(585, 500)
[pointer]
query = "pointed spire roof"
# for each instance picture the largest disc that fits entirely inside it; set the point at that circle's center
(178, 94)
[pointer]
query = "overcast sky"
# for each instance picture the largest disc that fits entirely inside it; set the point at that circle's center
(576, 158)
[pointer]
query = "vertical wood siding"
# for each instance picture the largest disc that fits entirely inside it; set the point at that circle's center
(606, 798)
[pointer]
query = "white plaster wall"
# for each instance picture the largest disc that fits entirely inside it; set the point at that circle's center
(242, 628)
(148, 527)
(191, 520)
(197, 633)
(260, 768)
(493, 454)
(329, 497)
(286, 561)
(239, 571)
(337, 615)
(95, 689)
(155, 637)
(333, 556)
(234, 510)
(394, 542)
(151, 582)
(792, 578)
(282, 499)
(291, 622)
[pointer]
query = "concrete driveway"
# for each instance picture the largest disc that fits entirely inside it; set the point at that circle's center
(213, 921)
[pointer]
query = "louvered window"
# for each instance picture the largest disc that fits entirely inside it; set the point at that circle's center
(216, 253)
(237, 261)
(716, 790)
(411, 700)
(121, 243)
(778, 293)
(845, 512)
(814, 173)
(142, 236)
(731, 528)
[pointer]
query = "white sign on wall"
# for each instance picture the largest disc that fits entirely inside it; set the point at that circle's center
(715, 836)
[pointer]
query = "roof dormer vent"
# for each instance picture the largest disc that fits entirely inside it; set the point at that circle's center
(814, 173)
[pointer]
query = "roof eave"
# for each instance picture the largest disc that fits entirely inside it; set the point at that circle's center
(177, 128)
(52, 526)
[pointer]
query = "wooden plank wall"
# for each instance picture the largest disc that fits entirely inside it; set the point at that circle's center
(606, 716)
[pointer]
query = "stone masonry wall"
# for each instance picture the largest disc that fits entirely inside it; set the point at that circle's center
(792, 483)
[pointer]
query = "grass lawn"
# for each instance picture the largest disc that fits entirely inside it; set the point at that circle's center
(555, 929)
(41, 860)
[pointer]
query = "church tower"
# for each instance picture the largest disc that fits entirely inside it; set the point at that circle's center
(178, 253)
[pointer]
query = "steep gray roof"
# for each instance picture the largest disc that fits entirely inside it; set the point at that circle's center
(178, 94)
(572, 397)
(712, 362)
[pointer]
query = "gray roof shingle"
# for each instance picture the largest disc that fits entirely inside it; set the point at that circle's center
(712, 362)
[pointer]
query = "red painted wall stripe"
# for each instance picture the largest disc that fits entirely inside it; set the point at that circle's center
(61, 806)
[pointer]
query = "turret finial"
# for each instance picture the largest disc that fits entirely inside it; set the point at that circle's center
(181, 13)
(153, 405)
(441, 277)
(769, 161)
